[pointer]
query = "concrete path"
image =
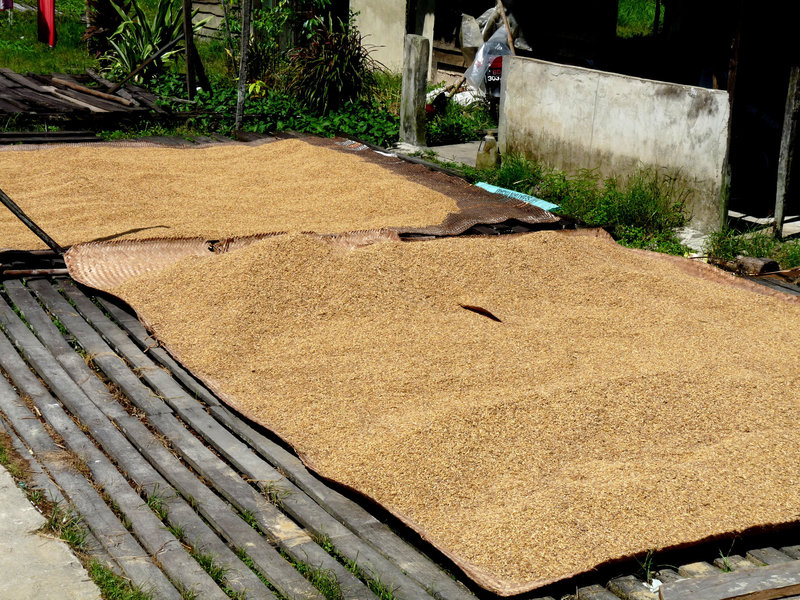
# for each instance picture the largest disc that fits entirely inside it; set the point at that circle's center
(458, 153)
(33, 565)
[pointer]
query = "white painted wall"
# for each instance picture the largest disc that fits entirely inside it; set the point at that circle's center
(574, 118)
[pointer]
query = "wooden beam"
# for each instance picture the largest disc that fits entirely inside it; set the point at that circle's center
(758, 583)
(788, 142)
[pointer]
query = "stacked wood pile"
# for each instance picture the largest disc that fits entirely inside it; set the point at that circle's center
(68, 96)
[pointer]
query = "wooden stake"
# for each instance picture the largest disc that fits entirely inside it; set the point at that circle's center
(188, 34)
(14, 208)
(788, 141)
(241, 87)
(508, 28)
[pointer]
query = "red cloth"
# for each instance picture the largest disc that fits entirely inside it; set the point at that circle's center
(6, 4)
(47, 22)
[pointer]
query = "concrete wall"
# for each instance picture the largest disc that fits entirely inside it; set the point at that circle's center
(574, 118)
(383, 24)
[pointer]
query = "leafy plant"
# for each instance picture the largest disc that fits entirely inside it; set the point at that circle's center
(335, 67)
(457, 124)
(103, 19)
(138, 37)
(640, 211)
(727, 244)
(269, 26)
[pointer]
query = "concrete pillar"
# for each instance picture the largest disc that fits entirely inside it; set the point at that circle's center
(416, 51)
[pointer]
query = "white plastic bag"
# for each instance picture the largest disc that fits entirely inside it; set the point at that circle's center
(497, 45)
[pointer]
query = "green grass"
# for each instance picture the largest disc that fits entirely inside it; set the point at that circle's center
(641, 210)
(21, 52)
(635, 17)
(66, 524)
(112, 586)
(728, 244)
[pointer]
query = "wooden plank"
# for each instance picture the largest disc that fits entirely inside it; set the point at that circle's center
(111, 364)
(793, 551)
(787, 148)
(150, 346)
(631, 588)
(238, 576)
(157, 539)
(287, 580)
(698, 569)
(758, 583)
(346, 511)
(105, 82)
(353, 516)
(281, 530)
(33, 98)
(668, 576)
(767, 556)
(594, 592)
(733, 562)
(85, 90)
(114, 537)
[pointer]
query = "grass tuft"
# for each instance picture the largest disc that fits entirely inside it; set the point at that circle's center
(728, 244)
(112, 586)
(641, 210)
(66, 524)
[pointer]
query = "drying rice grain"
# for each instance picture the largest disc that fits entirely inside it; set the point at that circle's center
(621, 405)
(80, 194)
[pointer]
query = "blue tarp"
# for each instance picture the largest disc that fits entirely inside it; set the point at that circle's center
(543, 204)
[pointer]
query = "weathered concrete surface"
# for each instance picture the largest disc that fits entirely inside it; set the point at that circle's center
(31, 565)
(574, 118)
(383, 24)
(415, 78)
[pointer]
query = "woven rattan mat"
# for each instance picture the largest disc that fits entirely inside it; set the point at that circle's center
(621, 402)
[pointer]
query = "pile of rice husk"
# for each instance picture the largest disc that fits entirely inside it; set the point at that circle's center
(619, 405)
(81, 194)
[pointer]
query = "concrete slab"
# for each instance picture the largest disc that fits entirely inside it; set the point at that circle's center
(32, 565)
(464, 154)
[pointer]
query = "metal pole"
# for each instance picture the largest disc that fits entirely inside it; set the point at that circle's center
(12, 206)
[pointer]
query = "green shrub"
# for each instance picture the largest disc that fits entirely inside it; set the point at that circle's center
(457, 124)
(727, 244)
(333, 68)
(640, 211)
(138, 37)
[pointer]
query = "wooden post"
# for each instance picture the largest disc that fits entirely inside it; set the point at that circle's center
(241, 91)
(788, 141)
(188, 36)
(415, 79)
